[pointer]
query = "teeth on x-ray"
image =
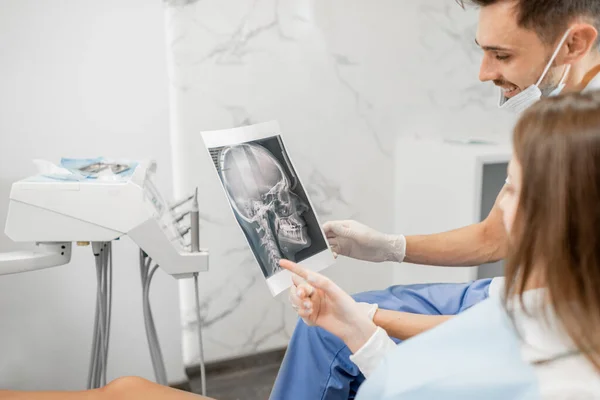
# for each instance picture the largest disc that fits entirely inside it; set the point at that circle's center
(292, 231)
(268, 211)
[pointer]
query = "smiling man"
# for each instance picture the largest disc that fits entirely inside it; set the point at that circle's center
(531, 49)
(537, 48)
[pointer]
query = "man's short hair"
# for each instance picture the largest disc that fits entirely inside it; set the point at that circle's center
(549, 18)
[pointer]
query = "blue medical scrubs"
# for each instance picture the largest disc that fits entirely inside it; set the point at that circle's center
(317, 364)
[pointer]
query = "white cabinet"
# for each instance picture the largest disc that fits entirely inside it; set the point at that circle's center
(440, 186)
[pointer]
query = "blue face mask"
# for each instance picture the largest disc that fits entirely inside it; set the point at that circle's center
(533, 93)
(475, 355)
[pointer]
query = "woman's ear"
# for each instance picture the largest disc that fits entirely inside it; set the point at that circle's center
(582, 40)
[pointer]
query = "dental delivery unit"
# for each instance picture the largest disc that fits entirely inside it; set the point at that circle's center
(98, 201)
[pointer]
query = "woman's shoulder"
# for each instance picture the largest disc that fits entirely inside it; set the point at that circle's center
(569, 378)
(562, 371)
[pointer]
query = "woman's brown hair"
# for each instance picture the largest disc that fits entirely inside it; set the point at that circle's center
(557, 223)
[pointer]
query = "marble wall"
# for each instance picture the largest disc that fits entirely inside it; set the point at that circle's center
(344, 78)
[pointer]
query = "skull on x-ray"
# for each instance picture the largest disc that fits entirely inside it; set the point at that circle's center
(266, 208)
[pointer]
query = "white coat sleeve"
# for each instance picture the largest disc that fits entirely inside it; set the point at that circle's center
(369, 356)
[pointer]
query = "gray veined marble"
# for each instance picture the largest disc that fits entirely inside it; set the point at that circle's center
(364, 107)
(239, 116)
(180, 3)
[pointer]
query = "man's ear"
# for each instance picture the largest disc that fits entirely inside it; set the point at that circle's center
(582, 39)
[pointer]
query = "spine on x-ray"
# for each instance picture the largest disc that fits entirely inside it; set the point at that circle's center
(269, 244)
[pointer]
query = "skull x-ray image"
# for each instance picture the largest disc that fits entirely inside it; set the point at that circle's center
(268, 202)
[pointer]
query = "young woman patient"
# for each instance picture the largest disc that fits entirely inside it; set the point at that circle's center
(538, 337)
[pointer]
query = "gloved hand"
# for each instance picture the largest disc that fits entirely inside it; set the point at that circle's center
(355, 240)
(320, 302)
(302, 290)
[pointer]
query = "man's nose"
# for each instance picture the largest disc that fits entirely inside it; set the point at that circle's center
(488, 71)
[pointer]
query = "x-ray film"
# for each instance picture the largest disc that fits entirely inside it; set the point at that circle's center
(268, 200)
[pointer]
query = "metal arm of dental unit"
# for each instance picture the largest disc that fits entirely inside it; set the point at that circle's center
(53, 214)
(45, 255)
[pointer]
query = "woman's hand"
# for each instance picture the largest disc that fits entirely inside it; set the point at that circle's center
(321, 302)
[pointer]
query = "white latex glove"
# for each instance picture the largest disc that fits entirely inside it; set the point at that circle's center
(302, 290)
(321, 302)
(355, 240)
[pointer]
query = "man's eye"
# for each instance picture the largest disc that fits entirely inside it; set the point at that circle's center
(502, 57)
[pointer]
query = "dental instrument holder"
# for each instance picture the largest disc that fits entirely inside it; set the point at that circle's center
(195, 224)
(55, 213)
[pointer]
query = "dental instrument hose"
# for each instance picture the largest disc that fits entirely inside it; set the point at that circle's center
(195, 242)
(101, 332)
(153, 344)
(199, 318)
